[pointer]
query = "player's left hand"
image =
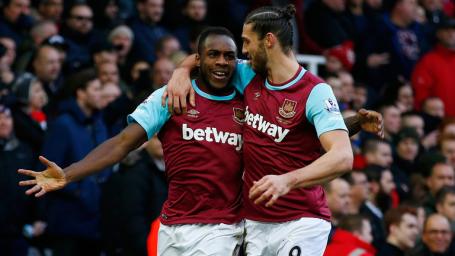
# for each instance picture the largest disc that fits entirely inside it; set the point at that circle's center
(269, 189)
(371, 121)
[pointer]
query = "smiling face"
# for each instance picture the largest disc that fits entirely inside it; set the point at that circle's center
(217, 60)
(254, 49)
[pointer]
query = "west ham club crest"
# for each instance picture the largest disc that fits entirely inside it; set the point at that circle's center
(287, 110)
(239, 115)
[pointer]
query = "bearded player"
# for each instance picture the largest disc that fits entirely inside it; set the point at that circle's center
(202, 152)
(291, 117)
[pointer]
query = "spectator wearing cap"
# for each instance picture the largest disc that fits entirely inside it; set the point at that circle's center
(401, 38)
(436, 237)
(404, 164)
(16, 209)
(29, 119)
(403, 231)
(340, 57)
(59, 43)
(80, 36)
(433, 76)
(352, 237)
(39, 33)
(50, 10)
(445, 204)
(146, 30)
(15, 20)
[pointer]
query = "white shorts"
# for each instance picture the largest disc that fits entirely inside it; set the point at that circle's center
(305, 236)
(200, 239)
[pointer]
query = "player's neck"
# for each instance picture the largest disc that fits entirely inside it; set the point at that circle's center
(207, 88)
(281, 67)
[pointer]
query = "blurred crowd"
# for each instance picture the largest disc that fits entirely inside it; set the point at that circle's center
(70, 72)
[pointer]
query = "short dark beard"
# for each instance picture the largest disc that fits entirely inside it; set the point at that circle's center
(261, 60)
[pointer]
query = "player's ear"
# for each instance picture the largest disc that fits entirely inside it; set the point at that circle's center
(198, 60)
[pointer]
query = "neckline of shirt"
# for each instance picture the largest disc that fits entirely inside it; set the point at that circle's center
(210, 96)
(275, 87)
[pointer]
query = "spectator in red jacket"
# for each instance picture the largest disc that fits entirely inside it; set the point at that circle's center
(353, 237)
(433, 75)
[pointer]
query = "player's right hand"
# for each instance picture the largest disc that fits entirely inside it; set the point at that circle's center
(177, 91)
(53, 178)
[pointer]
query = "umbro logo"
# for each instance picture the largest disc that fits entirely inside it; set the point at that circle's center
(193, 113)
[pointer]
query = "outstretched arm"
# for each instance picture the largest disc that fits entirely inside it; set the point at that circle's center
(105, 155)
(366, 120)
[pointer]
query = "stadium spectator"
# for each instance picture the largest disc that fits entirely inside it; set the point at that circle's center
(381, 185)
(433, 75)
(79, 35)
(436, 237)
(47, 68)
(447, 147)
(73, 213)
(404, 163)
(445, 204)
(39, 33)
(15, 21)
(392, 119)
(377, 152)
(7, 57)
(360, 96)
(161, 73)
(16, 210)
(122, 38)
(126, 219)
(434, 106)
(353, 237)
(330, 25)
(167, 46)
(194, 18)
(360, 190)
(441, 174)
(50, 10)
(103, 52)
(108, 73)
(29, 119)
(403, 231)
(400, 94)
(338, 199)
(146, 30)
(401, 38)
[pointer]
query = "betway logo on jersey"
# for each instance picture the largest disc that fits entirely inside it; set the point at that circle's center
(211, 134)
(257, 122)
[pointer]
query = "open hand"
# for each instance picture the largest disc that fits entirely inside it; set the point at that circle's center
(53, 178)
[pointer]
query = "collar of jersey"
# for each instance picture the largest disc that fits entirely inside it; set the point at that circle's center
(288, 84)
(209, 96)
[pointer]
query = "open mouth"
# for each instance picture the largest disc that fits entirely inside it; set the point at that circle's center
(220, 75)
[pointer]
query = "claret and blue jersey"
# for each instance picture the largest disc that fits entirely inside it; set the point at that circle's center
(283, 123)
(202, 153)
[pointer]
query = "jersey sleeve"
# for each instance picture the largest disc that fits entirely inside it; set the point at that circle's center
(150, 115)
(322, 110)
(243, 75)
